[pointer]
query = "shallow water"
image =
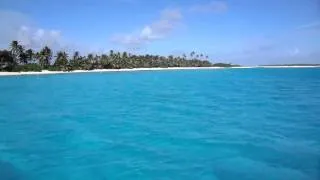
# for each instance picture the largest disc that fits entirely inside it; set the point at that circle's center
(193, 124)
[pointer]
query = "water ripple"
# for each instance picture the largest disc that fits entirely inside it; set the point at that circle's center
(227, 124)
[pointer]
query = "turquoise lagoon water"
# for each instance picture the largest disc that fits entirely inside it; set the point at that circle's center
(231, 124)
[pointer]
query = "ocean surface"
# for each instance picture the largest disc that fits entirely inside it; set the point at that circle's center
(226, 124)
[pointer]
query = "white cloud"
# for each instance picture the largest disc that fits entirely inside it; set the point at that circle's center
(33, 37)
(18, 26)
(11, 24)
(164, 26)
(159, 29)
(211, 7)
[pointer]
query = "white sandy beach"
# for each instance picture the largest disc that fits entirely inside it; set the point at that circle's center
(44, 72)
(101, 70)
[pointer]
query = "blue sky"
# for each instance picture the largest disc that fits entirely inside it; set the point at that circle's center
(247, 32)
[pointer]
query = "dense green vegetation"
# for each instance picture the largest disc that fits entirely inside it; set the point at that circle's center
(17, 58)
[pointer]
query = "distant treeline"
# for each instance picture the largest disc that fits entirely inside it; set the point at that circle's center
(292, 65)
(17, 58)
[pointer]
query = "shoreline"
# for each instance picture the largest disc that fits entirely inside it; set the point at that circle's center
(46, 72)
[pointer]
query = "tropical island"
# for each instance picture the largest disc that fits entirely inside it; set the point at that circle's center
(19, 59)
(291, 65)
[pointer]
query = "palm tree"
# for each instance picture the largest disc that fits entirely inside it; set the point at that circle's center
(37, 57)
(29, 54)
(7, 62)
(14, 45)
(45, 57)
(14, 48)
(184, 56)
(124, 55)
(90, 58)
(111, 53)
(61, 60)
(192, 54)
(104, 56)
(89, 62)
(75, 61)
(76, 55)
(23, 59)
(105, 64)
(115, 60)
